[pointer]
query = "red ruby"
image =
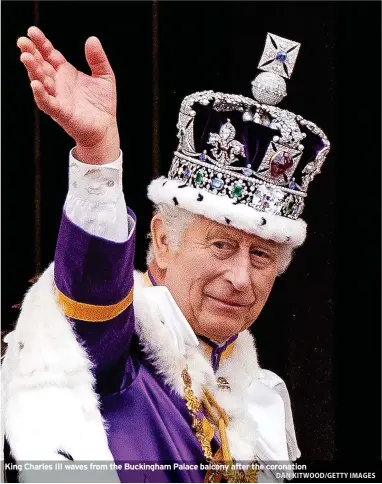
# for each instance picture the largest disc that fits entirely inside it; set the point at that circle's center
(280, 163)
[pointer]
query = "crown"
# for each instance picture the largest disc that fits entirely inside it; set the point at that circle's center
(248, 152)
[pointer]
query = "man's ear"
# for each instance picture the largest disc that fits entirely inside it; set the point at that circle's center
(160, 243)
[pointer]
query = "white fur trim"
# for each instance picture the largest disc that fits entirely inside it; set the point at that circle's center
(49, 401)
(277, 228)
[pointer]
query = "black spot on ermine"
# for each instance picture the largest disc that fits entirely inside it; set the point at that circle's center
(65, 454)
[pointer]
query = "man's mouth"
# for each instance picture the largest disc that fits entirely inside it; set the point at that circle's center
(228, 302)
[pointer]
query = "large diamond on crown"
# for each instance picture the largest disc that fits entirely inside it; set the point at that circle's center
(268, 199)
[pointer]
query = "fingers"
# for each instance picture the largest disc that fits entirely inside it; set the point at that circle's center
(26, 45)
(37, 67)
(36, 72)
(97, 59)
(45, 47)
(43, 99)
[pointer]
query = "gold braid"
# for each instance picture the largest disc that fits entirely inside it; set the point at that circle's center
(220, 419)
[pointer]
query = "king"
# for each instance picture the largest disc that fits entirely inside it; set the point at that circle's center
(109, 364)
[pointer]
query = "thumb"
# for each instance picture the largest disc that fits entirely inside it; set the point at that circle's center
(96, 58)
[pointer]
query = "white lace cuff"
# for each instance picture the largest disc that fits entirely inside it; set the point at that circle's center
(95, 200)
(95, 183)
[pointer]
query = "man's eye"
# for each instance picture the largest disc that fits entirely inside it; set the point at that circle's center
(221, 245)
(258, 253)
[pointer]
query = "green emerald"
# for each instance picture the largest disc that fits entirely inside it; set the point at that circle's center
(237, 190)
(199, 177)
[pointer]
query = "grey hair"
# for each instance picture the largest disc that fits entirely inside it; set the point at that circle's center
(176, 220)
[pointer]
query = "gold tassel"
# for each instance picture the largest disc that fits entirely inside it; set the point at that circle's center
(224, 441)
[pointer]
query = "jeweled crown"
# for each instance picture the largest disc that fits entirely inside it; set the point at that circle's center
(250, 150)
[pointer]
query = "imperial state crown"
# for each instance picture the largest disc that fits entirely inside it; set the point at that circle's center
(246, 162)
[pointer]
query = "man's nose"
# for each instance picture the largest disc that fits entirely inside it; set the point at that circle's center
(239, 273)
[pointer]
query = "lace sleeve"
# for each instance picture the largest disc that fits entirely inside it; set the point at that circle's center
(95, 201)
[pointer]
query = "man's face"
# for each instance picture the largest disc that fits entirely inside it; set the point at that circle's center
(221, 278)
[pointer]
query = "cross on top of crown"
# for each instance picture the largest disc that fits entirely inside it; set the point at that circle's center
(279, 55)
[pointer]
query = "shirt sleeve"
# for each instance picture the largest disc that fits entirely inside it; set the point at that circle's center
(275, 382)
(94, 262)
(95, 200)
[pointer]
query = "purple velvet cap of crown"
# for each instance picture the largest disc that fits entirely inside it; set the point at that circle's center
(255, 137)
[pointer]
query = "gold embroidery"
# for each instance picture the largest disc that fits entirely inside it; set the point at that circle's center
(194, 406)
(208, 429)
(204, 434)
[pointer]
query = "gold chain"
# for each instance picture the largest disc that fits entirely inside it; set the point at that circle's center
(195, 407)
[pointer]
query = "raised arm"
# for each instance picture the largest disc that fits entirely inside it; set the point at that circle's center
(94, 257)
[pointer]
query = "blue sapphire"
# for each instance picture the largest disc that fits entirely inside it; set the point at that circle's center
(202, 157)
(281, 56)
(186, 173)
(292, 186)
(217, 183)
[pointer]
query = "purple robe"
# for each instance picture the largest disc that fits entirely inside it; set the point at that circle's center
(147, 422)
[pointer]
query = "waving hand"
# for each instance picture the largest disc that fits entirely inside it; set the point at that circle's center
(83, 105)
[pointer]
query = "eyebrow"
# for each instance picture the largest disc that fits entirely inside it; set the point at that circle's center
(218, 232)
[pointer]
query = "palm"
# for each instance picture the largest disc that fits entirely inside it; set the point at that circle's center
(87, 104)
(83, 105)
